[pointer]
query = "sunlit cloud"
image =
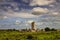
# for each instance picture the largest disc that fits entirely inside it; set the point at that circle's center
(39, 11)
(55, 13)
(41, 2)
(30, 21)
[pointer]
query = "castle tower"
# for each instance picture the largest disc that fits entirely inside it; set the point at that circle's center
(33, 25)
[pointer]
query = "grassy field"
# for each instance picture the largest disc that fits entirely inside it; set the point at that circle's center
(17, 35)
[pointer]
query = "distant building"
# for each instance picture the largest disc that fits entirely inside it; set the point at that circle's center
(30, 30)
(33, 26)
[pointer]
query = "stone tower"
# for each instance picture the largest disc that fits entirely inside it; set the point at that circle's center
(33, 25)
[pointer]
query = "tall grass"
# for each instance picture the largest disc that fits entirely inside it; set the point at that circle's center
(17, 35)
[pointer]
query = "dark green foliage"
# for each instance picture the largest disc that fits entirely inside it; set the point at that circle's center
(29, 37)
(53, 29)
(6, 38)
(47, 29)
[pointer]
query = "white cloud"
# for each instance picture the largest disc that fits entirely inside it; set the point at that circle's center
(20, 14)
(55, 13)
(16, 9)
(18, 22)
(5, 17)
(38, 23)
(51, 5)
(38, 10)
(23, 14)
(30, 21)
(41, 2)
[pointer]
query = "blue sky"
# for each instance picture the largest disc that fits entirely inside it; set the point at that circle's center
(19, 13)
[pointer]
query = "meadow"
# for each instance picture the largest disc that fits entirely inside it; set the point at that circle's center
(18, 35)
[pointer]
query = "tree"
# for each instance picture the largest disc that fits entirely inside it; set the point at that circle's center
(47, 29)
(53, 29)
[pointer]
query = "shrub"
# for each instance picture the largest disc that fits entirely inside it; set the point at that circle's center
(29, 37)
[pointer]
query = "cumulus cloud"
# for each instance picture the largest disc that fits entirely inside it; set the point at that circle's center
(55, 6)
(5, 17)
(23, 15)
(41, 2)
(30, 21)
(17, 22)
(18, 14)
(35, 11)
(39, 11)
(54, 13)
(51, 5)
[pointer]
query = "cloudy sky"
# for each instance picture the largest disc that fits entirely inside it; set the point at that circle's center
(20, 13)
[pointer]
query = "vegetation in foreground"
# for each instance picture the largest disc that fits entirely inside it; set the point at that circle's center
(18, 35)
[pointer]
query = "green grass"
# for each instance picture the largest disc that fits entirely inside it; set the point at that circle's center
(16, 35)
